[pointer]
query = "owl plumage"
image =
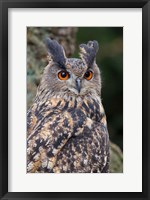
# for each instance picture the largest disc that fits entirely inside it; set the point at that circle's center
(66, 125)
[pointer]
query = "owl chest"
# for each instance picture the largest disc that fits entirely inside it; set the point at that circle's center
(82, 111)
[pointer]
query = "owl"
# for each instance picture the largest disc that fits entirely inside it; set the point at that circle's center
(66, 124)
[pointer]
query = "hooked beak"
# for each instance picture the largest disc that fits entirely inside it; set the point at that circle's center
(78, 84)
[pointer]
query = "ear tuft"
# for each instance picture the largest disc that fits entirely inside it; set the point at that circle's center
(56, 52)
(88, 52)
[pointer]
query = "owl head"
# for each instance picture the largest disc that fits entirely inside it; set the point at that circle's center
(72, 76)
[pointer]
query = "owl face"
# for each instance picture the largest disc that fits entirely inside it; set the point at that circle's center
(75, 77)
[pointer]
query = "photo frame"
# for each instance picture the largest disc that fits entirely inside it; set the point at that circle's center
(4, 120)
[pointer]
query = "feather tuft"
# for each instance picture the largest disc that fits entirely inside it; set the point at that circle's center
(56, 51)
(88, 52)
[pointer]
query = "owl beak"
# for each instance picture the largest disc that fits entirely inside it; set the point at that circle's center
(78, 84)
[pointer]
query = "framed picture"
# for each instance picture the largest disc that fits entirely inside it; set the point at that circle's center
(62, 64)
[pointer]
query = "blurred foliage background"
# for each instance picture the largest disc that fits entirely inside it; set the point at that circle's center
(109, 59)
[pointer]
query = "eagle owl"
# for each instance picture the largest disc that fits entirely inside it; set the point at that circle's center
(66, 124)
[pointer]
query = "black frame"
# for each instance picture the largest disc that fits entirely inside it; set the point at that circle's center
(4, 5)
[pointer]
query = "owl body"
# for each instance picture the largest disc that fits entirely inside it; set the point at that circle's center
(67, 129)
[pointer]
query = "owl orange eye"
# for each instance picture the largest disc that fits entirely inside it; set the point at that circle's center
(63, 75)
(88, 75)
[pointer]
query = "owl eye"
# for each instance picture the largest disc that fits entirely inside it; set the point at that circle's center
(88, 75)
(63, 75)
